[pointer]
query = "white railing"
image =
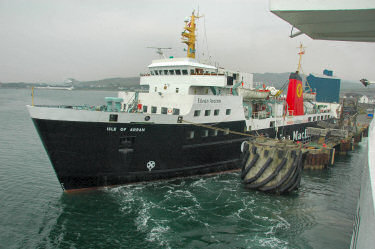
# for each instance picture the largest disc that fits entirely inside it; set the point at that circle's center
(364, 220)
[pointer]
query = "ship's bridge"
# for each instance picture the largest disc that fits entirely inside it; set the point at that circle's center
(188, 76)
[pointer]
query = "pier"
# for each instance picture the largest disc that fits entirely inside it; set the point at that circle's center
(276, 166)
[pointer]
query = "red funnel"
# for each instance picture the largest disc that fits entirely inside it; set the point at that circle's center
(294, 97)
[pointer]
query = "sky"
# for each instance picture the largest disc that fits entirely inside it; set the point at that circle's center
(50, 41)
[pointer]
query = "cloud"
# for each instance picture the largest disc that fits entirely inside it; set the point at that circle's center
(53, 40)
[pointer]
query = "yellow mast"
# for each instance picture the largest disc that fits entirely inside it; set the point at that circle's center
(188, 35)
(300, 53)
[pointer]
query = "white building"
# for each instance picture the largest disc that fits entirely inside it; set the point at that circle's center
(363, 99)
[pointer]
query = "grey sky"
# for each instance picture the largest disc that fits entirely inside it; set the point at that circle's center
(49, 41)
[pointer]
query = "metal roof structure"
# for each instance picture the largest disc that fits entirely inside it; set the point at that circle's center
(340, 20)
(178, 62)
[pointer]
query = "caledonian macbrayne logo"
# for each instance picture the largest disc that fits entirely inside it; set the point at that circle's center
(299, 90)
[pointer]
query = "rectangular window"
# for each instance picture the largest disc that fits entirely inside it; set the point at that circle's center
(154, 109)
(309, 119)
(190, 135)
(145, 108)
(178, 72)
(272, 124)
(113, 117)
(216, 112)
(160, 72)
(171, 72)
(314, 119)
(191, 71)
(184, 72)
(156, 72)
(152, 72)
(197, 113)
(207, 112)
(214, 133)
(176, 111)
(228, 111)
(164, 110)
(204, 133)
(177, 90)
(165, 72)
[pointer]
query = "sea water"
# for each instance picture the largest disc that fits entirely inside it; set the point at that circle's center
(196, 212)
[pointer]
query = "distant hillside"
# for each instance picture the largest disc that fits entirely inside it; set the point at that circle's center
(278, 79)
(104, 84)
(131, 83)
(271, 79)
(112, 83)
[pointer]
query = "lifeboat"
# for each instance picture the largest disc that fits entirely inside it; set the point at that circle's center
(253, 93)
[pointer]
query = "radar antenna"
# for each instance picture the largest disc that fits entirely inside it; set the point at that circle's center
(366, 82)
(159, 51)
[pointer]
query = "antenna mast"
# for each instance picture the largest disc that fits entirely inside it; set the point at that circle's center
(159, 51)
(188, 35)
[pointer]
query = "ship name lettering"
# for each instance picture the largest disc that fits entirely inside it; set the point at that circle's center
(299, 135)
(138, 129)
(111, 128)
(206, 101)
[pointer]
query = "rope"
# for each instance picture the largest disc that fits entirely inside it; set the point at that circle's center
(205, 36)
(219, 129)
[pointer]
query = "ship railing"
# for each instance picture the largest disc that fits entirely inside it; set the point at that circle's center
(76, 107)
(261, 115)
(208, 74)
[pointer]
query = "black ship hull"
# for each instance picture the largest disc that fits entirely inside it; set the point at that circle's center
(95, 154)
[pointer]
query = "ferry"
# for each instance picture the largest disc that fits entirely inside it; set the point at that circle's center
(193, 120)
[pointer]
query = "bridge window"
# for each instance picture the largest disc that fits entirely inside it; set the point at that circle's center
(178, 72)
(191, 71)
(197, 113)
(165, 72)
(171, 72)
(156, 72)
(184, 72)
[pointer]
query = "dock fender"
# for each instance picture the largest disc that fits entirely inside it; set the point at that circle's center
(248, 167)
(260, 172)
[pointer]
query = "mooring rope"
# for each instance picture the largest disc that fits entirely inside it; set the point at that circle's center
(218, 129)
